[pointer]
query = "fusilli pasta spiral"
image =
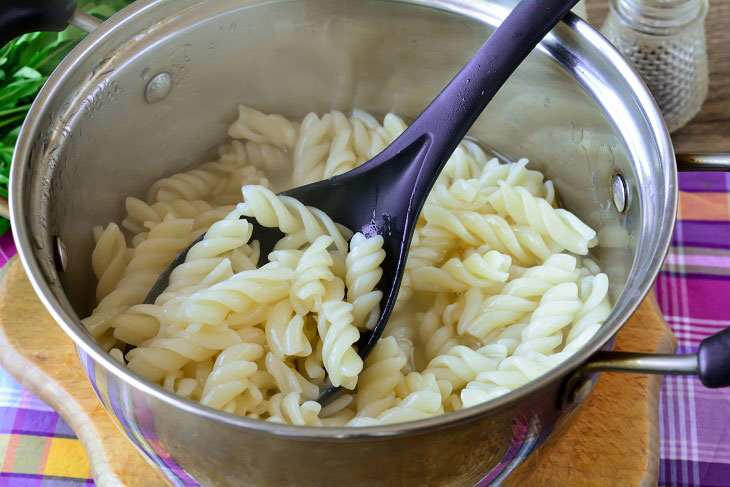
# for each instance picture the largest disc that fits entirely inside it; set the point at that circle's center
(363, 274)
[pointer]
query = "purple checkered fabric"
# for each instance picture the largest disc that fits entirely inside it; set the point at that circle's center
(693, 289)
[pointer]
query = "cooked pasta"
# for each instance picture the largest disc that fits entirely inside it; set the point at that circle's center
(363, 273)
(457, 275)
(231, 375)
(498, 288)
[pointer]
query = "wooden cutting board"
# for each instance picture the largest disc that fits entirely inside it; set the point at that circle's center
(614, 440)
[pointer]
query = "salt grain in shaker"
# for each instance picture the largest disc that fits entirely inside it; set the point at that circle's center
(665, 41)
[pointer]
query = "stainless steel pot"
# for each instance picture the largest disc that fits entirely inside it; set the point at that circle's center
(149, 92)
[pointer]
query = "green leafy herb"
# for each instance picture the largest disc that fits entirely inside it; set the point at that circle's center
(25, 65)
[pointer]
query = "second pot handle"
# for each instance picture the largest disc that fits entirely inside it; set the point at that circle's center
(711, 363)
(19, 17)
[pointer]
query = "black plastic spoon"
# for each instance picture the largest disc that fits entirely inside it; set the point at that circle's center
(385, 195)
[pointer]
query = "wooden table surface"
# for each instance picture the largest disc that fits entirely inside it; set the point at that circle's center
(709, 131)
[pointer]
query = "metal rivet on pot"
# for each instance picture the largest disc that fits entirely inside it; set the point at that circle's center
(61, 256)
(158, 87)
(620, 192)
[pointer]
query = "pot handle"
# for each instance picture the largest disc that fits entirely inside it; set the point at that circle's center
(711, 363)
(19, 17)
(22, 16)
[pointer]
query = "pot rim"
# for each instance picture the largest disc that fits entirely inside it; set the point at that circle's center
(72, 326)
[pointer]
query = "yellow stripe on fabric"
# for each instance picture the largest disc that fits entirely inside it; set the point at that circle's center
(704, 206)
(66, 458)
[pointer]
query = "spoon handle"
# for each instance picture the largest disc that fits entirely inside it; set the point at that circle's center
(448, 118)
(406, 170)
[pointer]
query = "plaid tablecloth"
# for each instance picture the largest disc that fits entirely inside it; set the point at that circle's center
(38, 449)
(694, 294)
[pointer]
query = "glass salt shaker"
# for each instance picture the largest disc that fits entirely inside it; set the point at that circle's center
(665, 41)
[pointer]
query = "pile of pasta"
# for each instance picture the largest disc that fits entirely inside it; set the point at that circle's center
(498, 287)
